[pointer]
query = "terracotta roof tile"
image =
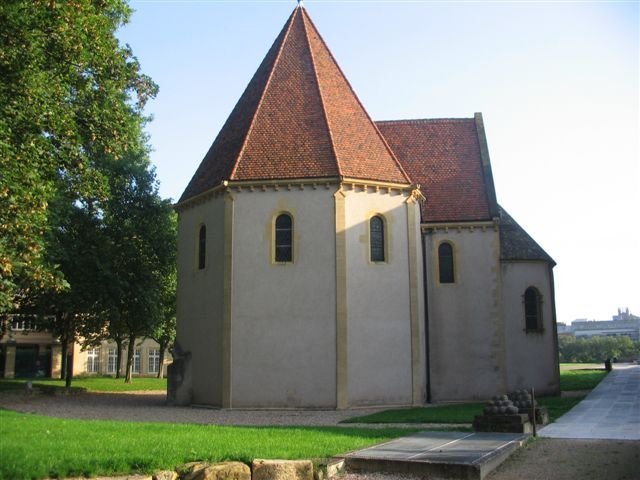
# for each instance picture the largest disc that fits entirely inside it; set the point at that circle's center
(443, 156)
(297, 118)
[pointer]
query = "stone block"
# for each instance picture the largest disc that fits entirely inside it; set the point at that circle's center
(218, 471)
(165, 475)
(282, 470)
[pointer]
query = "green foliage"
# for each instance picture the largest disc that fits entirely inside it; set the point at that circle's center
(597, 349)
(586, 379)
(51, 447)
(91, 384)
(70, 96)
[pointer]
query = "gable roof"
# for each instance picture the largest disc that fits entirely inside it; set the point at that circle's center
(517, 244)
(449, 159)
(298, 118)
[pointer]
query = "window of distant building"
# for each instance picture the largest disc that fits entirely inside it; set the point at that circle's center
(93, 360)
(445, 263)
(532, 310)
(283, 251)
(202, 247)
(112, 359)
(376, 239)
(136, 362)
(154, 360)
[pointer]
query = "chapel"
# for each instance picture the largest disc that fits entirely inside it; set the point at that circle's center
(326, 260)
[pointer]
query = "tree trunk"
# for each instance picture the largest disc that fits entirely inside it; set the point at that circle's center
(163, 347)
(118, 357)
(130, 351)
(63, 367)
(69, 375)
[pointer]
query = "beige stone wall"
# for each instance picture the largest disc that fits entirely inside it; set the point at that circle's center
(384, 366)
(532, 359)
(200, 307)
(466, 331)
(283, 327)
(144, 345)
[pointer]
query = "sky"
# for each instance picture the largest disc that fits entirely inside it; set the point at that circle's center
(557, 84)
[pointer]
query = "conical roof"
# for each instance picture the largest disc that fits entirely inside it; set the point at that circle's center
(298, 118)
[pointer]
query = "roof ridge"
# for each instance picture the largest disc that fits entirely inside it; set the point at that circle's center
(322, 101)
(426, 120)
(264, 91)
(337, 65)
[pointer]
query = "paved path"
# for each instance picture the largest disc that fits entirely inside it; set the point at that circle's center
(610, 411)
(438, 454)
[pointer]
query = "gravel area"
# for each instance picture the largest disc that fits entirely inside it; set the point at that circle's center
(151, 407)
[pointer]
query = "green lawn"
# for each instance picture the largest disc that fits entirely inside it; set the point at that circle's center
(575, 377)
(581, 379)
(93, 384)
(458, 413)
(33, 446)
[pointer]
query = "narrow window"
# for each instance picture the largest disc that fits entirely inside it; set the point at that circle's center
(284, 238)
(154, 360)
(202, 247)
(532, 309)
(376, 239)
(93, 360)
(112, 360)
(445, 263)
(136, 362)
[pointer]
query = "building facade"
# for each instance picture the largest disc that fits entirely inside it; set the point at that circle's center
(27, 352)
(329, 261)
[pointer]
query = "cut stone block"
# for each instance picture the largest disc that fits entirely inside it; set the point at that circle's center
(282, 470)
(219, 471)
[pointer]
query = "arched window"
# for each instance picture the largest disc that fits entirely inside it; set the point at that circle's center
(202, 247)
(284, 238)
(376, 238)
(532, 310)
(445, 263)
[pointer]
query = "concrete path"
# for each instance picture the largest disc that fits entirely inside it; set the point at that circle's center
(610, 411)
(437, 455)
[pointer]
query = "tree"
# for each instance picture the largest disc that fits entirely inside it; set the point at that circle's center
(165, 331)
(141, 228)
(70, 96)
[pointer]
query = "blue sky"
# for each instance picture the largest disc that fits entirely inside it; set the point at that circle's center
(557, 83)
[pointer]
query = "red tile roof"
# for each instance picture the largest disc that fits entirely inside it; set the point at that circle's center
(444, 157)
(298, 118)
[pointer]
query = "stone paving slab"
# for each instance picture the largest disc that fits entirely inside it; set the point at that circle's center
(438, 454)
(611, 411)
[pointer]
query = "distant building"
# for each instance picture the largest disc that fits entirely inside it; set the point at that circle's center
(622, 324)
(26, 352)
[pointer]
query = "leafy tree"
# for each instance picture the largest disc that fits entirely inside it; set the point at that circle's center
(141, 229)
(597, 349)
(165, 331)
(70, 96)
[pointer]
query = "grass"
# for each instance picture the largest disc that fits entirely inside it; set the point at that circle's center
(92, 384)
(34, 446)
(459, 413)
(582, 378)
